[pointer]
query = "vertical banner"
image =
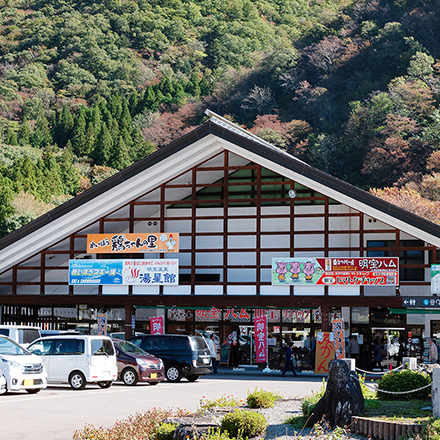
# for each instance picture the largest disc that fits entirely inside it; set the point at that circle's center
(102, 324)
(325, 351)
(338, 337)
(156, 325)
(261, 339)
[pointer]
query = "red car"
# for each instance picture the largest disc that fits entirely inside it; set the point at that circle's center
(135, 364)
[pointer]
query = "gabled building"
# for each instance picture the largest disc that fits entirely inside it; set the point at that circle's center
(238, 205)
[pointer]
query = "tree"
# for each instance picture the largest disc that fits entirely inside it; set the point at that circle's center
(6, 199)
(24, 133)
(103, 147)
(260, 100)
(41, 137)
(69, 174)
(64, 126)
(80, 144)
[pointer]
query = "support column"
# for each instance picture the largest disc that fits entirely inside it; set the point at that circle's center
(325, 311)
(129, 312)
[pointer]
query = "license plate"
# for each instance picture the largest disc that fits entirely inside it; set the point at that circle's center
(28, 382)
(206, 361)
(153, 375)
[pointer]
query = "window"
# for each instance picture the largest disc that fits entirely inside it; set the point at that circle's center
(64, 346)
(409, 257)
(102, 347)
(41, 348)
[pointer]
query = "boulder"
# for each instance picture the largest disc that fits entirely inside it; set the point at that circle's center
(342, 399)
(193, 427)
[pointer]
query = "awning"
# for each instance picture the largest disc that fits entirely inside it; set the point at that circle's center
(415, 311)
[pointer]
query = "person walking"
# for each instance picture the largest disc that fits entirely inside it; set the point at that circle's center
(400, 353)
(213, 353)
(353, 349)
(289, 360)
(433, 354)
(377, 356)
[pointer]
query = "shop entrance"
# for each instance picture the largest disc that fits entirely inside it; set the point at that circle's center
(388, 339)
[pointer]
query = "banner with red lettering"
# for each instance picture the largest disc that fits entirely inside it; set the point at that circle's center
(156, 325)
(260, 330)
(325, 351)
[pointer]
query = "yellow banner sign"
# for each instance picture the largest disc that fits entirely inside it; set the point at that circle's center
(132, 243)
(325, 351)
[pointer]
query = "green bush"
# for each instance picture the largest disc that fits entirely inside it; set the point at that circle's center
(405, 380)
(243, 423)
(165, 431)
(309, 402)
(217, 434)
(431, 431)
(223, 401)
(262, 399)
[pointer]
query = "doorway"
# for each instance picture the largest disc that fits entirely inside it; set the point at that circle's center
(389, 342)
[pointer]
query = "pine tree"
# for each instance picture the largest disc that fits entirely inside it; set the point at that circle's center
(24, 133)
(125, 121)
(11, 137)
(6, 199)
(41, 136)
(179, 95)
(141, 148)
(134, 104)
(103, 147)
(24, 176)
(52, 175)
(115, 106)
(79, 137)
(205, 87)
(149, 100)
(166, 87)
(69, 174)
(120, 155)
(64, 126)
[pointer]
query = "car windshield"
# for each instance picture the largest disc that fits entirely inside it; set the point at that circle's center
(102, 347)
(198, 342)
(10, 348)
(128, 347)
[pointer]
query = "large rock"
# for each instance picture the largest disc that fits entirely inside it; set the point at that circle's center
(342, 398)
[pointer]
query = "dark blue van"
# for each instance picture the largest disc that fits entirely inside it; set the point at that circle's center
(182, 355)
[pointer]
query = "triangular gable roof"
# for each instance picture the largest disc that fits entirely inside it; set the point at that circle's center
(189, 150)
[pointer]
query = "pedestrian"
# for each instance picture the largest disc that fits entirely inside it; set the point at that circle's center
(289, 360)
(400, 353)
(377, 356)
(213, 353)
(433, 354)
(353, 349)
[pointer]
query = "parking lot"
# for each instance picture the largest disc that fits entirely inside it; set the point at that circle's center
(56, 412)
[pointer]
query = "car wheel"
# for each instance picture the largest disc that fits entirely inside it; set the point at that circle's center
(33, 390)
(192, 377)
(173, 373)
(129, 376)
(105, 383)
(77, 380)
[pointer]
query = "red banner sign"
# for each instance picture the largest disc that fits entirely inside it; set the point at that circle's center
(260, 332)
(156, 325)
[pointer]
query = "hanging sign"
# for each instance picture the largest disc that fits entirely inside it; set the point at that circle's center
(435, 278)
(132, 243)
(164, 272)
(325, 351)
(102, 324)
(156, 325)
(366, 271)
(260, 331)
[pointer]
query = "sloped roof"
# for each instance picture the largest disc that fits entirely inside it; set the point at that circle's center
(212, 137)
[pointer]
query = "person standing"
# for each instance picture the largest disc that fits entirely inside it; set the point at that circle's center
(400, 353)
(377, 356)
(433, 354)
(353, 349)
(213, 353)
(289, 360)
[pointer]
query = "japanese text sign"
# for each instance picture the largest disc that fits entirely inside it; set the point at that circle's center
(102, 324)
(260, 331)
(132, 243)
(164, 272)
(344, 271)
(156, 325)
(338, 337)
(325, 351)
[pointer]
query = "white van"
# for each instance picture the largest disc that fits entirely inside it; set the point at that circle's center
(77, 359)
(23, 334)
(21, 369)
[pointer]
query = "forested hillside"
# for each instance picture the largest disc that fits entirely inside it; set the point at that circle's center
(86, 89)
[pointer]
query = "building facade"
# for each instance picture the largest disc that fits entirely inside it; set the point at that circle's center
(237, 204)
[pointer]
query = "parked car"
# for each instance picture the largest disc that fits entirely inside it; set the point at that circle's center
(77, 359)
(45, 333)
(3, 388)
(21, 369)
(121, 335)
(23, 334)
(182, 355)
(135, 364)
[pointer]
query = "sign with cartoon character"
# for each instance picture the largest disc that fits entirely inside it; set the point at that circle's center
(344, 271)
(132, 243)
(164, 272)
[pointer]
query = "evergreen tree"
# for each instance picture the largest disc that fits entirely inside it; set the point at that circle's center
(11, 137)
(115, 106)
(24, 133)
(193, 87)
(125, 121)
(80, 147)
(52, 174)
(134, 104)
(120, 155)
(41, 136)
(103, 147)
(166, 87)
(150, 98)
(179, 95)
(23, 176)
(205, 87)
(6, 199)
(64, 126)
(69, 173)
(141, 148)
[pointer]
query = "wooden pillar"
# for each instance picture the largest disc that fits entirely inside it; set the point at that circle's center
(325, 311)
(129, 312)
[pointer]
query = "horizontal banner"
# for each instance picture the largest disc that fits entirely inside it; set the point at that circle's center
(163, 272)
(132, 243)
(366, 271)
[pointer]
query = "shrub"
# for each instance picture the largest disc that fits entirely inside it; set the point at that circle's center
(223, 401)
(405, 380)
(431, 431)
(262, 399)
(165, 431)
(217, 434)
(243, 423)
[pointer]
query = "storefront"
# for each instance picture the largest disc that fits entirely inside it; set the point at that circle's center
(239, 224)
